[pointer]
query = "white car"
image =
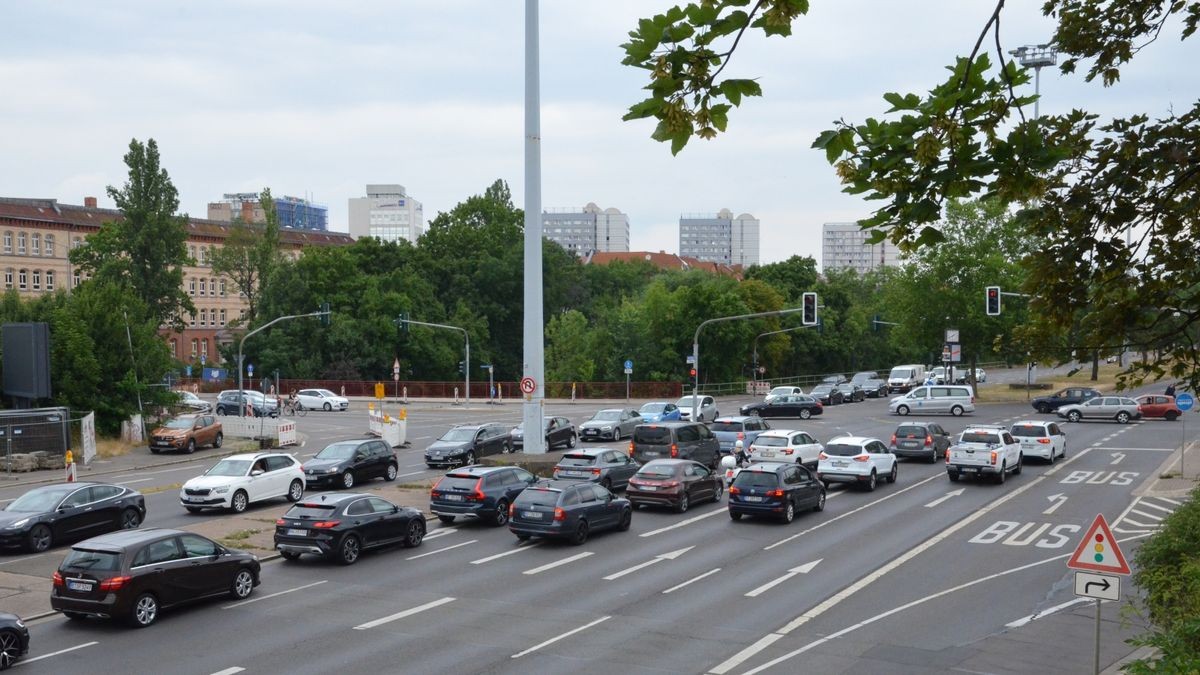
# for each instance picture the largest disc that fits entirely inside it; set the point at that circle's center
(780, 392)
(857, 459)
(321, 399)
(980, 376)
(786, 445)
(1040, 438)
(193, 402)
(707, 408)
(236, 481)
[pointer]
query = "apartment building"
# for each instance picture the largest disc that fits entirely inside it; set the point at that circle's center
(387, 213)
(587, 230)
(720, 238)
(844, 245)
(294, 212)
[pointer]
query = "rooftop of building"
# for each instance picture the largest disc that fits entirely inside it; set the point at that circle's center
(663, 260)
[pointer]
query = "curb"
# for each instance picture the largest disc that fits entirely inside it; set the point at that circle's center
(1119, 666)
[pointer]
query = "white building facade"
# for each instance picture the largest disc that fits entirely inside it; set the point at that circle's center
(844, 245)
(587, 230)
(386, 213)
(720, 238)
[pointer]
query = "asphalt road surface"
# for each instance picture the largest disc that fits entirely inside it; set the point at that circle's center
(921, 576)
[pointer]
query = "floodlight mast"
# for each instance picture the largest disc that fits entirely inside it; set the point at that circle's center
(1036, 57)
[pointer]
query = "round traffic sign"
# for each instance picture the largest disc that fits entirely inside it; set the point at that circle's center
(628, 364)
(528, 385)
(1185, 401)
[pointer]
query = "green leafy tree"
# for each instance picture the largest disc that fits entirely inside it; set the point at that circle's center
(570, 356)
(251, 254)
(146, 249)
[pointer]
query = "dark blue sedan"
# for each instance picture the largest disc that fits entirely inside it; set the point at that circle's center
(775, 490)
(567, 510)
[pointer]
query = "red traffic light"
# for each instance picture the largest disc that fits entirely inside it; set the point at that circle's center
(692, 372)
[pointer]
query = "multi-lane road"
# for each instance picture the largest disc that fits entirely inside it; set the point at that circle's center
(920, 576)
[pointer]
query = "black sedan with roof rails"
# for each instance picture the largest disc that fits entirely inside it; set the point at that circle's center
(567, 510)
(67, 512)
(482, 492)
(342, 526)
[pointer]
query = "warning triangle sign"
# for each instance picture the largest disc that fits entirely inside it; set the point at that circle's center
(1099, 552)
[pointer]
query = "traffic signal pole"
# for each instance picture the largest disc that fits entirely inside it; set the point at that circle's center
(466, 349)
(324, 312)
(696, 348)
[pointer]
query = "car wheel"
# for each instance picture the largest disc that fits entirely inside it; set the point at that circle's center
(581, 533)
(191, 446)
(616, 435)
(154, 451)
(789, 512)
(735, 516)
(40, 538)
(10, 648)
(130, 519)
(289, 555)
(683, 504)
(1073, 416)
(895, 472)
(347, 553)
(219, 440)
(446, 519)
(1003, 476)
(416, 532)
(501, 516)
(522, 537)
(953, 476)
(243, 584)
(820, 502)
(957, 411)
(295, 491)
(240, 501)
(220, 411)
(1020, 465)
(328, 407)
(719, 492)
(193, 509)
(572, 441)
(626, 520)
(872, 482)
(75, 616)
(902, 410)
(145, 610)
(470, 459)
(392, 472)
(805, 414)
(1122, 417)
(348, 479)
(933, 456)
(1043, 408)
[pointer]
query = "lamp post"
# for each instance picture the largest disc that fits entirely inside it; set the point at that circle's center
(1036, 57)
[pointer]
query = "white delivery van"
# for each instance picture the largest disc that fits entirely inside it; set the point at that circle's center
(904, 378)
(955, 399)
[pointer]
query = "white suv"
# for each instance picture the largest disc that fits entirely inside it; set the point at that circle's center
(857, 459)
(236, 481)
(785, 445)
(1040, 438)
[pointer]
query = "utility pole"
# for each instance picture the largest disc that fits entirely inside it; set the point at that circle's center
(534, 350)
(323, 313)
(696, 348)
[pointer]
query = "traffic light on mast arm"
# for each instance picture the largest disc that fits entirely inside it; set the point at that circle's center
(993, 300)
(325, 314)
(809, 313)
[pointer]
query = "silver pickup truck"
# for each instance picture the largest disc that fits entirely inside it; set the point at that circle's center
(984, 450)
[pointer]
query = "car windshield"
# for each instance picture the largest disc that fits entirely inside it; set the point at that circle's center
(821, 389)
(654, 408)
(900, 373)
(1029, 431)
(577, 460)
(310, 511)
(843, 449)
(656, 471)
(910, 432)
(771, 441)
(979, 437)
(229, 467)
(538, 497)
(755, 479)
(337, 451)
(607, 416)
(652, 435)
(325, 393)
(41, 499)
(721, 425)
(180, 423)
(96, 561)
(459, 434)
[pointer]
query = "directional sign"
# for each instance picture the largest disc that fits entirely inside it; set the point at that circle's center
(691, 360)
(1099, 586)
(628, 364)
(1185, 401)
(250, 368)
(396, 367)
(528, 386)
(1098, 551)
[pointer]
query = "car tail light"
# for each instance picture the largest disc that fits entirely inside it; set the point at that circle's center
(302, 467)
(775, 493)
(478, 495)
(993, 457)
(788, 451)
(512, 508)
(1044, 441)
(595, 472)
(893, 439)
(674, 450)
(631, 448)
(326, 524)
(669, 484)
(433, 491)
(741, 435)
(928, 441)
(735, 490)
(947, 456)
(822, 455)
(280, 521)
(114, 584)
(58, 580)
(862, 458)
(559, 514)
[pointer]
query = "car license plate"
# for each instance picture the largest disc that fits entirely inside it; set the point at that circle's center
(452, 498)
(648, 488)
(532, 515)
(651, 453)
(592, 432)
(297, 533)
(754, 499)
(768, 453)
(839, 464)
(194, 499)
(967, 469)
(84, 586)
(574, 473)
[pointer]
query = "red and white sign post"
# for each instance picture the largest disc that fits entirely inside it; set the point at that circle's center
(1096, 554)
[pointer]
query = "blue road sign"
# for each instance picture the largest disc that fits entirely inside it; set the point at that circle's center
(1185, 402)
(189, 371)
(250, 368)
(203, 358)
(628, 364)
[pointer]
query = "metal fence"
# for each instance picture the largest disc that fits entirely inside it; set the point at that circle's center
(38, 439)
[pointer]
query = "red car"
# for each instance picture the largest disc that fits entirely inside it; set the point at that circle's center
(1157, 405)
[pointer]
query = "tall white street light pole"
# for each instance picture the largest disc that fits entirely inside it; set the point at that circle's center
(534, 356)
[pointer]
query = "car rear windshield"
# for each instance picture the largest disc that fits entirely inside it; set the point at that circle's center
(843, 449)
(756, 479)
(656, 471)
(458, 483)
(652, 436)
(654, 408)
(93, 561)
(309, 510)
(771, 441)
(979, 437)
(577, 460)
(539, 497)
(1029, 431)
(727, 426)
(910, 432)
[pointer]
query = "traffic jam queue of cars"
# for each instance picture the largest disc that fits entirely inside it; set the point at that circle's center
(117, 570)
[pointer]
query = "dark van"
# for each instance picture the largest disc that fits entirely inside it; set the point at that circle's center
(675, 440)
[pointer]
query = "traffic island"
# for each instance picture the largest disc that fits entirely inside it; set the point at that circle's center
(539, 465)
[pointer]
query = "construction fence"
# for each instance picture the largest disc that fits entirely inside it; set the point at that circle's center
(38, 439)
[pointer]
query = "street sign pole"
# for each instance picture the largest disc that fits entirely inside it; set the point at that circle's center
(1096, 658)
(1185, 402)
(628, 372)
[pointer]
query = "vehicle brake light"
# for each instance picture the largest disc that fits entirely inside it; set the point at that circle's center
(822, 455)
(279, 521)
(670, 484)
(993, 457)
(478, 495)
(948, 455)
(928, 441)
(862, 458)
(674, 450)
(595, 472)
(788, 451)
(512, 509)
(326, 524)
(58, 579)
(775, 493)
(735, 490)
(631, 448)
(433, 491)
(559, 514)
(114, 584)
(893, 439)
(1044, 441)
(741, 435)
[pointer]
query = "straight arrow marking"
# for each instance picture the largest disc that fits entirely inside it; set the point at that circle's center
(802, 569)
(671, 555)
(948, 495)
(1058, 499)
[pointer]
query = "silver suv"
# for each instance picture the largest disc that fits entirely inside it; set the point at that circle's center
(1117, 408)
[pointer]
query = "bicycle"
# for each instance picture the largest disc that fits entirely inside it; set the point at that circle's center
(293, 409)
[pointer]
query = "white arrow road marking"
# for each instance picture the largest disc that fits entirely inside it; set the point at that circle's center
(400, 615)
(1058, 500)
(802, 569)
(560, 637)
(670, 555)
(1117, 457)
(230, 671)
(682, 523)
(692, 580)
(556, 563)
(441, 532)
(948, 495)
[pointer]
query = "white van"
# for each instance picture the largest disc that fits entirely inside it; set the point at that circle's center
(904, 378)
(955, 399)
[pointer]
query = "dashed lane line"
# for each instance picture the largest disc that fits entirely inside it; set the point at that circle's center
(691, 581)
(61, 651)
(273, 595)
(565, 635)
(442, 550)
(406, 613)
(558, 563)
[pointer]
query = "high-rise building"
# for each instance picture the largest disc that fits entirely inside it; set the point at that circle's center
(386, 213)
(845, 245)
(587, 230)
(719, 238)
(294, 212)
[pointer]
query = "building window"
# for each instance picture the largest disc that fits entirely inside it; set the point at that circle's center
(204, 318)
(222, 288)
(49, 249)
(37, 280)
(8, 241)
(174, 347)
(203, 257)
(195, 347)
(75, 279)
(204, 348)
(192, 321)
(20, 243)
(191, 287)
(203, 286)
(36, 248)
(222, 318)
(8, 278)
(76, 242)
(22, 279)
(49, 280)
(192, 252)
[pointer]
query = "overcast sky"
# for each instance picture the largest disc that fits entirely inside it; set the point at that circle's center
(320, 98)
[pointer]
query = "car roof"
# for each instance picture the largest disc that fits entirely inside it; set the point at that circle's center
(553, 485)
(915, 423)
(476, 471)
(1035, 423)
(67, 485)
(590, 452)
(122, 539)
(669, 424)
(669, 462)
(334, 498)
(257, 455)
(778, 432)
(735, 418)
(767, 467)
(854, 440)
(987, 427)
(483, 425)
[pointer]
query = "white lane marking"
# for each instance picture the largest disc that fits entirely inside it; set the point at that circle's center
(1143, 514)
(61, 651)
(1117, 457)
(1145, 449)
(692, 580)
(740, 657)
(670, 555)
(1058, 499)
(24, 558)
(272, 595)
(557, 563)
(441, 550)
(413, 466)
(949, 495)
(229, 671)
(1176, 502)
(1152, 505)
(1045, 612)
(1135, 523)
(406, 613)
(802, 569)
(440, 532)
(560, 637)
(683, 523)
(874, 576)
(1124, 531)
(519, 549)
(411, 473)
(910, 605)
(851, 512)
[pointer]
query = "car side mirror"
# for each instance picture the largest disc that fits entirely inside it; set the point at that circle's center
(256, 472)
(395, 509)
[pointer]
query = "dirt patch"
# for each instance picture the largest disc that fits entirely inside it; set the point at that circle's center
(1002, 393)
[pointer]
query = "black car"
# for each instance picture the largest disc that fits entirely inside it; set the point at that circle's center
(852, 393)
(483, 492)
(461, 445)
(344, 463)
(14, 639)
(874, 388)
(925, 440)
(67, 512)
(558, 431)
(135, 574)
(342, 526)
(776, 490)
(230, 402)
(828, 394)
(606, 466)
(792, 405)
(1068, 396)
(567, 510)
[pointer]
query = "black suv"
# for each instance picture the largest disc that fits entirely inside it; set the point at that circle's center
(342, 526)
(568, 510)
(775, 489)
(461, 445)
(344, 463)
(925, 440)
(1068, 396)
(229, 402)
(478, 492)
(675, 440)
(133, 574)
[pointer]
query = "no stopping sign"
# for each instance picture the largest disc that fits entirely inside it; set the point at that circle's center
(528, 385)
